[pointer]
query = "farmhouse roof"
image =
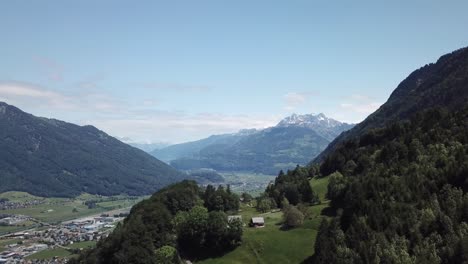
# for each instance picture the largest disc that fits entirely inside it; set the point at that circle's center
(258, 220)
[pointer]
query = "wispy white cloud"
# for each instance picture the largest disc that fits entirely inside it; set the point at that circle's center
(362, 108)
(36, 96)
(178, 127)
(30, 93)
(123, 118)
(357, 107)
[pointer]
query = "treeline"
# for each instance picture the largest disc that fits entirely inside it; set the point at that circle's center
(173, 224)
(399, 194)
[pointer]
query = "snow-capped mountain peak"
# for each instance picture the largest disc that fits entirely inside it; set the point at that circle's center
(309, 120)
(320, 123)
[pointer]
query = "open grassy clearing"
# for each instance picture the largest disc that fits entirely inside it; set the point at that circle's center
(319, 185)
(273, 245)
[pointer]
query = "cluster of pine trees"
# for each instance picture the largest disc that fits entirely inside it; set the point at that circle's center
(173, 223)
(399, 194)
(289, 189)
(294, 186)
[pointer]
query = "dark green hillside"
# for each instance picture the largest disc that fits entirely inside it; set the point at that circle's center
(400, 194)
(48, 157)
(443, 84)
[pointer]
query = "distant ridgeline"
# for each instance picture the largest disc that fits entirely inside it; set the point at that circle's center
(399, 180)
(293, 141)
(48, 157)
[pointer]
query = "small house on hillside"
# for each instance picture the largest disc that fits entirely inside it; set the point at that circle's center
(257, 222)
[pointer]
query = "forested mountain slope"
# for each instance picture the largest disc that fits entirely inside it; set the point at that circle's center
(48, 157)
(399, 180)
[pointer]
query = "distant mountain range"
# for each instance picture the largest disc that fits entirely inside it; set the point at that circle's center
(292, 141)
(48, 157)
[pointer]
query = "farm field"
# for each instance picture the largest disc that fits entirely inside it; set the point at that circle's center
(54, 210)
(61, 252)
(84, 245)
(5, 242)
(50, 253)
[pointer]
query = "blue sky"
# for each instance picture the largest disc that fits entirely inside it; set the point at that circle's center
(174, 71)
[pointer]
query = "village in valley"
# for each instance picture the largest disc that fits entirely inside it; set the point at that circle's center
(50, 230)
(67, 236)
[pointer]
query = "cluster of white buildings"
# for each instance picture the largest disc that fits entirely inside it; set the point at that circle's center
(14, 219)
(63, 235)
(17, 252)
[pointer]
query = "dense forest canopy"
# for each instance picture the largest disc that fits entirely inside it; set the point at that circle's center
(398, 181)
(293, 186)
(399, 194)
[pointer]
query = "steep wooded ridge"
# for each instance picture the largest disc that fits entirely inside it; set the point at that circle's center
(437, 84)
(399, 180)
(293, 141)
(48, 157)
